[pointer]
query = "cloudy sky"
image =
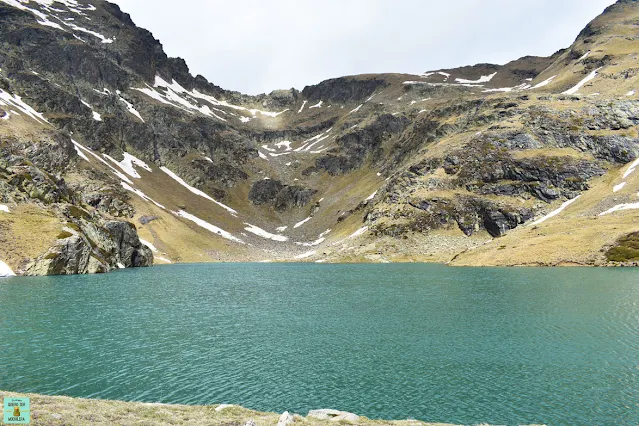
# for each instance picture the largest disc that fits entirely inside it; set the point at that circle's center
(256, 46)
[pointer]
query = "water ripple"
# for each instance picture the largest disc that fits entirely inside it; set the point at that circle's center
(460, 345)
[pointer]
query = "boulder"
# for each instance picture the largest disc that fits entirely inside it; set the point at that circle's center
(333, 415)
(285, 419)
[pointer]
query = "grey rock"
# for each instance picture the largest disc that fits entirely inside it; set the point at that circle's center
(334, 415)
(285, 419)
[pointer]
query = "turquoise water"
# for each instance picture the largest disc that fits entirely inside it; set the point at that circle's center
(461, 345)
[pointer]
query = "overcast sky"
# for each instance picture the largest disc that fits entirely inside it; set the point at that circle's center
(256, 46)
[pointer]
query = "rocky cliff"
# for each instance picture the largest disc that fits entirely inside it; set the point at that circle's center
(115, 155)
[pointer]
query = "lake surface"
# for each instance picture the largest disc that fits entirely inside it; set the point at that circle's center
(460, 345)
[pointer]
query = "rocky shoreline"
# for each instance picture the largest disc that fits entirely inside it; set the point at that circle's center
(62, 410)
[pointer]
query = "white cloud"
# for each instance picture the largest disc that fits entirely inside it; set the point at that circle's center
(256, 46)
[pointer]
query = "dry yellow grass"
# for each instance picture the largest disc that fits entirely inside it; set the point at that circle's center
(60, 410)
(25, 233)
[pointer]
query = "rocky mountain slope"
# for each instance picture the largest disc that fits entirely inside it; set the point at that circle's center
(115, 155)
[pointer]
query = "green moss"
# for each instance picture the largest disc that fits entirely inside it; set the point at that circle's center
(627, 249)
(64, 234)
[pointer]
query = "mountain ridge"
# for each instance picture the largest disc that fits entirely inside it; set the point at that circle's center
(457, 161)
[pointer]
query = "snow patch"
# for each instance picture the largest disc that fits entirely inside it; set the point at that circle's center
(631, 93)
(356, 109)
(317, 105)
(298, 224)
(15, 101)
(129, 107)
(141, 194)
(620, 207)
(302, 107)
(581, 83)
(371, 196)
(5, 270)
(4, 208)
(81, 154)
(632, 168)
(584, 56)
(619, 187)
(482, 79)
(360, 231)
(555, 212)
(264, 234)
(149, 245)
(127, 164)
(209, 227)
(305, 255)
(544, 83)
(196, 191)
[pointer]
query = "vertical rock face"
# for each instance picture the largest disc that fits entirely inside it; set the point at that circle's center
(130, 251)
(94, 250)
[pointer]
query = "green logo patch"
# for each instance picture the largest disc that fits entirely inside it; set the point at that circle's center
(17, 411)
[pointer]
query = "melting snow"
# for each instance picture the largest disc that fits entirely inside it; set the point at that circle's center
(285, 144)
(80, 153)
(129, 107)
(317, 105)
(264, 234)
(305, 255)
(482, 79)
(4, 208)
(360, 231)
(196, 191)
(149, 245)
(209, 227)
(245, 119)
(122, 176)
(584, 56)
(632, 168)
(356, 109)
(371, 196)
(544, 83)
(5, 270)
(262, 156)
(509, 89)
(619, 187)
(16, 101)
(298, 224)
(41, 18)
(620, 207)
(312, 244)
(555, 212)
(631, 93)
(84, 30)
(140, 194)
(281, 228)
(127, 164)
(581, 83)
(302, 107)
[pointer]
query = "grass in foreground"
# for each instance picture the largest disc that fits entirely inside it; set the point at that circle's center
(61, 410)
